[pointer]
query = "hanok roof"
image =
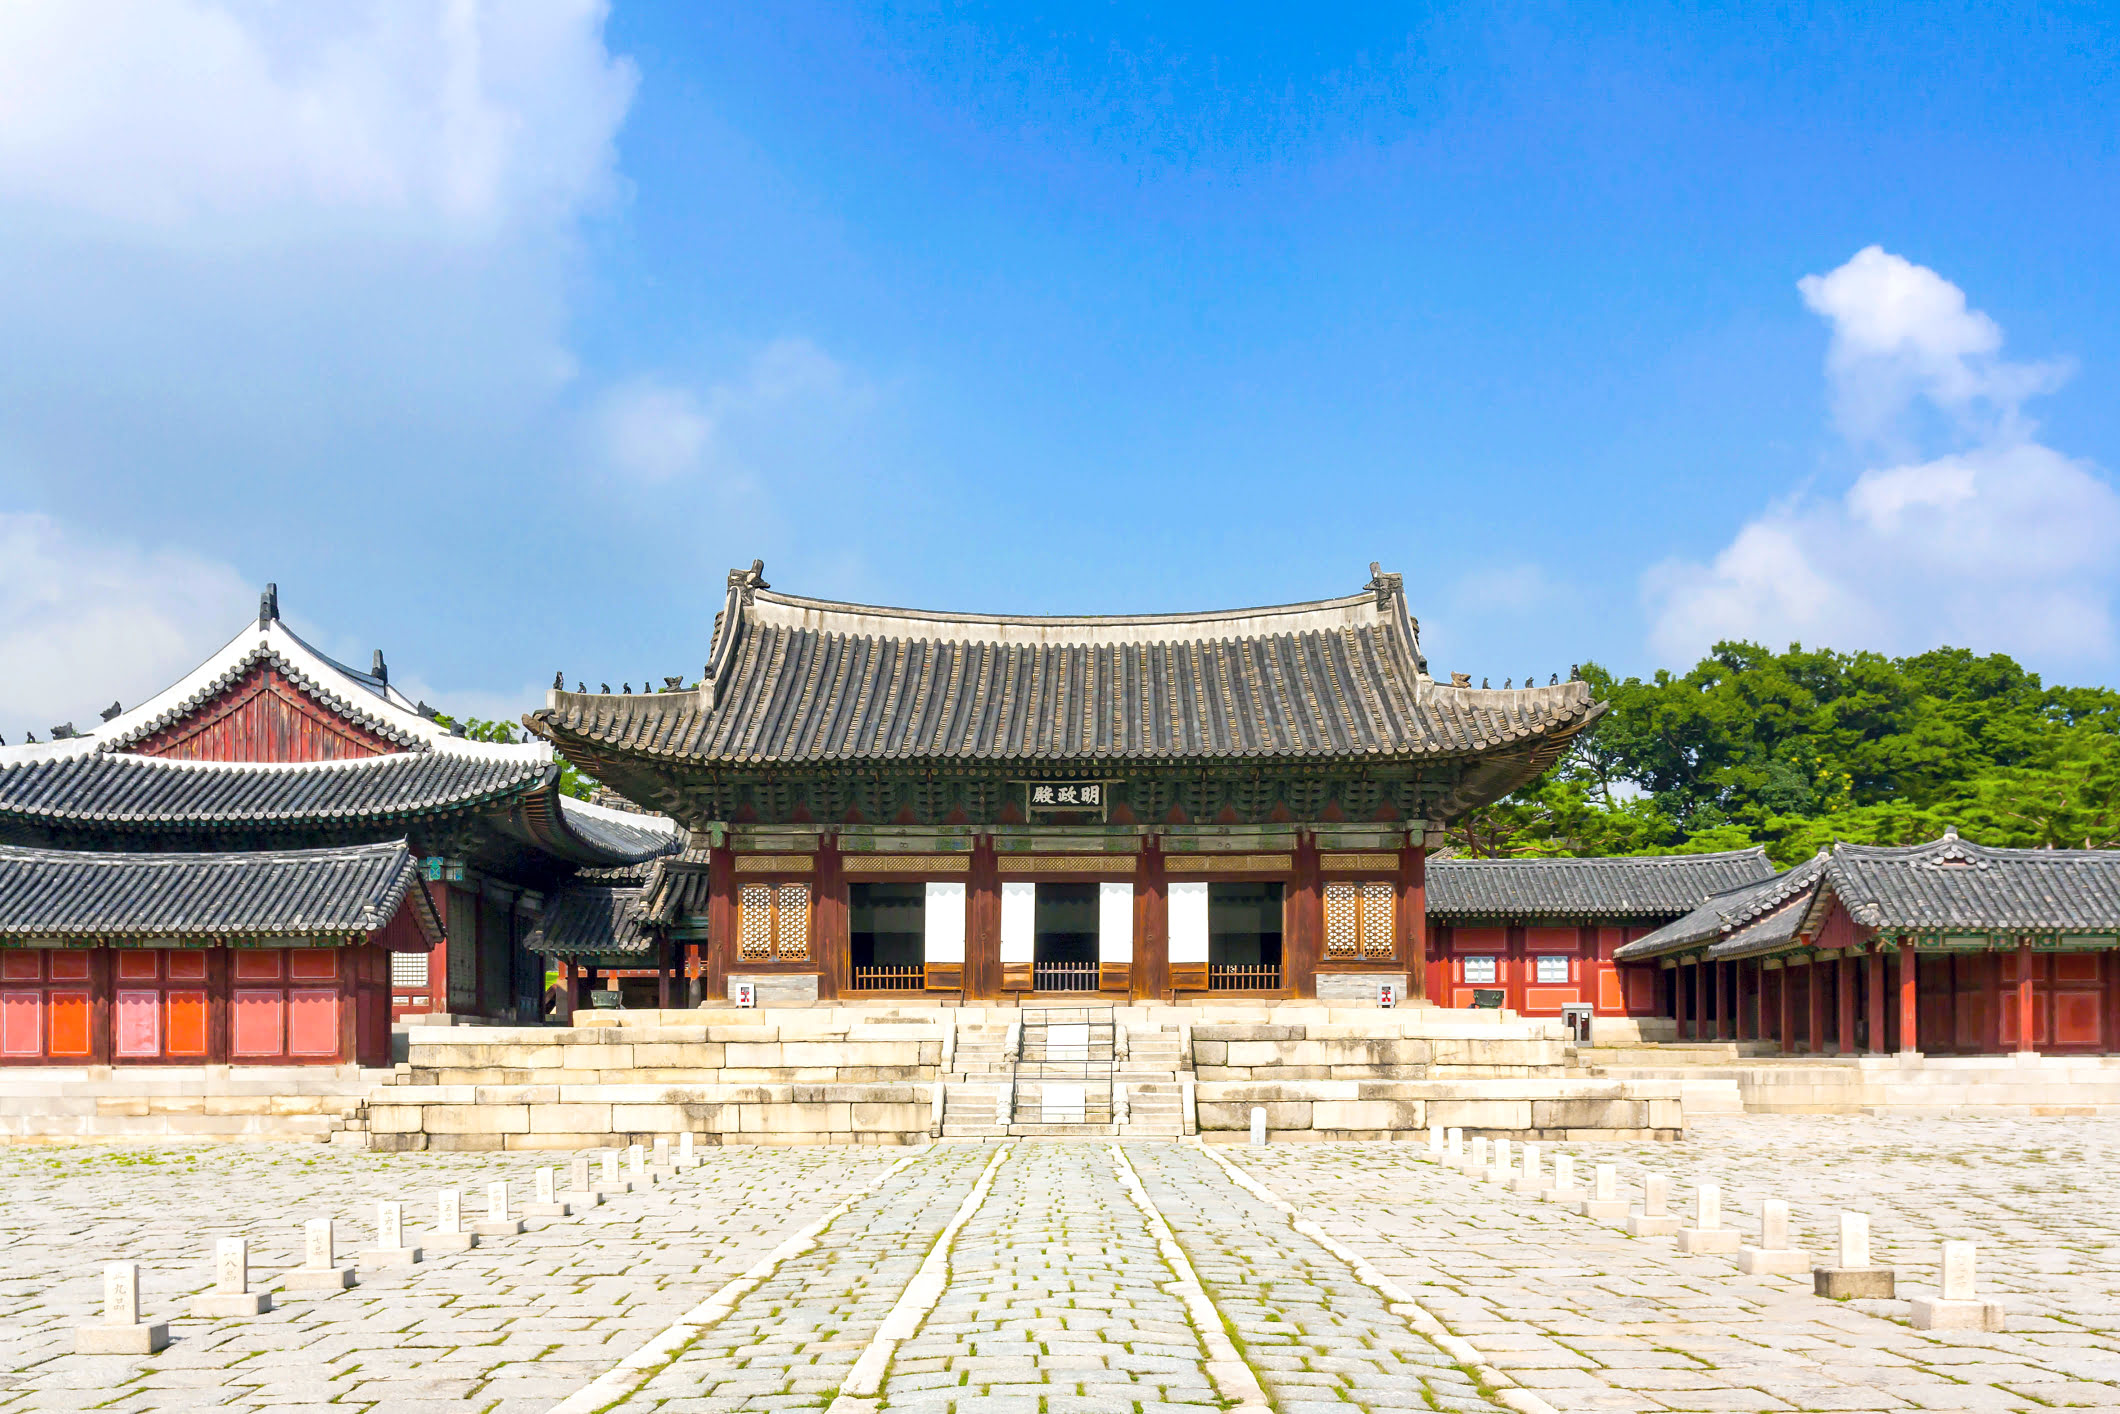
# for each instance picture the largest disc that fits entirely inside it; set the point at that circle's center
(1631, 886)
(324, 895)
(1760, 914)
(796, 681)
(1949, 885)
(591, 921)
(96, 780)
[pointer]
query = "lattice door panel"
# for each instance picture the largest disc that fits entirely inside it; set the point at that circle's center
(792, 929)
(756, 941)
(1343, 920)
(1376, 919)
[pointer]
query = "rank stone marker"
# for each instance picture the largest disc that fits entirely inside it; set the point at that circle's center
(498, 1223)
(1773, 1255)
(1500, 1171)
(449, 1234)
(637, 1167)
(1655, 1218)
(1454, 1148)
(320, 1269)
(685, 1157)
(1707, 1233)
(1564, 1189)
(1530, 1183)
(1855, 1276)
(549, 1204)
(610, 1180)
(122, 1331)
(1478, 1161)
(231, 1294)
(1957, 1308)
(580, 1189)
(390, 1249)
(1604, 1203)
(1435, 1141)
(659, 1158)
(1258, 1126)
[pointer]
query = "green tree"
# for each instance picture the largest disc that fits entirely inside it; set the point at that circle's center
(571, 781)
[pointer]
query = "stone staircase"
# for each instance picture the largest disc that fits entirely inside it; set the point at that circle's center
(1146, 1069)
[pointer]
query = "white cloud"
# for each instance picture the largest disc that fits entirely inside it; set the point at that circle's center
(83, 622)
(1999, 543)
(192, 121)
(652, 430)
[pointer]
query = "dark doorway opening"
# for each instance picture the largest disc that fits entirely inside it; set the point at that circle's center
(1064, 944)
(887, 936)
(1244, 937)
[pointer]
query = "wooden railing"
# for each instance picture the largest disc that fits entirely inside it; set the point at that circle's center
(910, 977)
(1229, 977)
(1064, 977)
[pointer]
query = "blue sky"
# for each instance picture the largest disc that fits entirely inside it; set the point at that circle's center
(496, 335)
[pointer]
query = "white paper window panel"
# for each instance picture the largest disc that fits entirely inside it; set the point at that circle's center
(1552, 969)
(1479, 969)
(1188, 922)
(1019, 920)
(945, 922)
(408, 969)
(1115, 922)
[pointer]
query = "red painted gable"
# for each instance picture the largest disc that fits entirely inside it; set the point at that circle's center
(263, 716)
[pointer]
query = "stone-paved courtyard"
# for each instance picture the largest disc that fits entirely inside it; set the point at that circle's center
(1055, 1293)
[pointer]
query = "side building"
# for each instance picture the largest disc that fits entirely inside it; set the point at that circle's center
(1947, 947)
(883, 801)
(186, 881)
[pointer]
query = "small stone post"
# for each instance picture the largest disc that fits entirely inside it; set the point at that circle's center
(610, 1180)
(549, 1204)
(122, 1331)
(1655, 1218)
(1258, 1126)
(1530, 1183)
(659, 1159)
(1454, 1147)
(1604, 1203)
(231, 1294)
(1500, 1171)
(1435, 1141)
(499, 1221)
(320, 1269)
(1957, 1309)
(686, 1158)
(1707, 1233)
(449, 1233)
(1479, 1153)
(1564, 1189)
(1856, 1276)
(637, 1166)
(1773, 1254)
(390, 1249)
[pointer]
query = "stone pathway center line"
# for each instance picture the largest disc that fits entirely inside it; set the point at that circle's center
(1403, 1305)
(1232, 1374)
(865, 1380)
(632, 1372)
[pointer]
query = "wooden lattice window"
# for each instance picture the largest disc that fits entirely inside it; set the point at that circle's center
(1358, 919)
(775, 923)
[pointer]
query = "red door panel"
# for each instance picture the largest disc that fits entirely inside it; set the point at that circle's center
(66, 1014)
(139, 1024)
(312, 1021)
(21, 1023)
(187, 1023)
(259, 1027)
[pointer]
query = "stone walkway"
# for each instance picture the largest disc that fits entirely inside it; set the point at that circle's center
(1419, 1288)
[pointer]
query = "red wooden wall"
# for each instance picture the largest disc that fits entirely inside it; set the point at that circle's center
(263, 716)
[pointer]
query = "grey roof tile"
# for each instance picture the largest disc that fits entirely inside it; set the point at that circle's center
(810, 681)
(592, 921)
(1611, 887)
(321, 894)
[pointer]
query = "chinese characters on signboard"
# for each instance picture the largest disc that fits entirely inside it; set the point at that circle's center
(1067, 795)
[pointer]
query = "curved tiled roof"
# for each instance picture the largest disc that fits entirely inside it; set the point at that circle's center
(321, 894)
(591, 920)
(1783, 897)
(1952, 884)
(1628, 886)
(123, 790)
(807, 681)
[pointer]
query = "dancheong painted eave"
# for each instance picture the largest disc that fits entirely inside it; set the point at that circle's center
(797, 682)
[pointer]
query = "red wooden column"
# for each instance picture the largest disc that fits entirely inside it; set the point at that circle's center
(828, 920)
(2027, 1032)
(982, 939)
(721, 927)
(1876, 1003)
(1814, 1039)
(1747, 1016)
(1844, 994)
(1151, 924)
(1413, 916)
(1785, 979)
(1679, 1000)
(1303, 945)
(1909, 998)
